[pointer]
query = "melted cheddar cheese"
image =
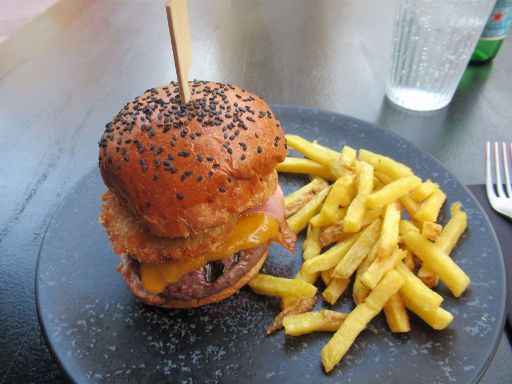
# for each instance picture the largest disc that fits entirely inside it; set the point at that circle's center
(250, 232)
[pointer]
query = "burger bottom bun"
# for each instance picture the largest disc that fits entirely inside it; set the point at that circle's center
(128, 267)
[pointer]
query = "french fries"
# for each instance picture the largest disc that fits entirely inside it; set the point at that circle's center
(357, 203)
(438, 262)
(280, 287)
(406, 226)
(380, 266)
(424, 190)
(294, 308)
(384, 164)
(430, 208)
(360, 291)
(341, 194)
(449, 236)
(329, 259)
(393, 191)
(348, 157)
(437, 318)
(358, 319)
(326, 320)
(414, 289)
(357, 208)
(335, 289)
(299, 220)
(316, 152)
(390, 228)
(431, 231)
(305, 166)
(311, 246)
(396, 315)
(296, 200)
(355, 255)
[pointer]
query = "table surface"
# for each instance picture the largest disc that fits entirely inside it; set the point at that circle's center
(65, 75)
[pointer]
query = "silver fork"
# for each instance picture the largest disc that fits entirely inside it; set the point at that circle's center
(499, 198)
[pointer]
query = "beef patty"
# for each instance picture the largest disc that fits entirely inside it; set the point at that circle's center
(208, 280)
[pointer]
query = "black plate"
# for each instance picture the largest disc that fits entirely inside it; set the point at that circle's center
(98, 332)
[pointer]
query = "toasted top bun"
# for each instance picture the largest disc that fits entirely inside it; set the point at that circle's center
(183, 169)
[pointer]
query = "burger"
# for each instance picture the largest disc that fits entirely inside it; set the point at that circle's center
(193, 199)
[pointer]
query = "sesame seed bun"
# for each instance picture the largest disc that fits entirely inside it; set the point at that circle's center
(183, 169)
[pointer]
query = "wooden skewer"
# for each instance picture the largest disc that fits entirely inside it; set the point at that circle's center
(177, 18)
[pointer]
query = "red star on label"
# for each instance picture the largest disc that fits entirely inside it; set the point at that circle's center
(497, 17)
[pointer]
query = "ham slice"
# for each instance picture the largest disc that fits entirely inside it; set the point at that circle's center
(274, 207)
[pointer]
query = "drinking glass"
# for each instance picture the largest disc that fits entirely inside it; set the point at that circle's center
(432, 43)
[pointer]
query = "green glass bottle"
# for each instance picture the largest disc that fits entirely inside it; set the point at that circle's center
(494, 32)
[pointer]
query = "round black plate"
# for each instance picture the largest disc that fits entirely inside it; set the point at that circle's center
(98, 332)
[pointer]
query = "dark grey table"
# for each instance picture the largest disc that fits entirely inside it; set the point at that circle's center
(67, 73)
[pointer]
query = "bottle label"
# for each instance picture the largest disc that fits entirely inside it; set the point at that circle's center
(499, 22)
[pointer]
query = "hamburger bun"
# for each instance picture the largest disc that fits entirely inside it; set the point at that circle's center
(183, 169)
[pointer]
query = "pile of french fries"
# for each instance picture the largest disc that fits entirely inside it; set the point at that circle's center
(372, 222)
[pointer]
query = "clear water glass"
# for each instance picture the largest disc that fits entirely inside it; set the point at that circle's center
(432, 43)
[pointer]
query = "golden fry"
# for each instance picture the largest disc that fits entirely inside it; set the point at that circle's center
(330, 258)
(358, 251)
(359, 290)
(325, 320)
(311, 247)
(384, 164)
(380, 266)
(348, 157)
(280, 287)
(406, 226)
(396, 315)
(424, 190)
(332, 234)
(323, 155)
(389, 233)
(335, 289)
(430, 208)
(320, 220)
(439, 262)
(298, 306)
(393, 191)
(415, 290)
(409, 261)
(305, 166)
(299, 221)
(326, 276)
(437, 318)
(296, 200)
(358, 319)
(451, 233)
(407, 202)
(357, 208)
(431, 231)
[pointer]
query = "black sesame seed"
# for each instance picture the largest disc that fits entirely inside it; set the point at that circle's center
(143, 165)
(260, 149)
(180, 196)
(250, 119)
(157, 163)
(210, 174)
(230, 151)
(199, 178)
(243, 157)
(199, 158)
(155, 176)
(183, 153)
(222, 190)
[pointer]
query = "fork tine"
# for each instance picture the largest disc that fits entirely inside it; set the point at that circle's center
(488, 173)
(499, 183)
(506, 165)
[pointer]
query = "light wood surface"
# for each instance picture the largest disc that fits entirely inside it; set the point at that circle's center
(177, 18)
